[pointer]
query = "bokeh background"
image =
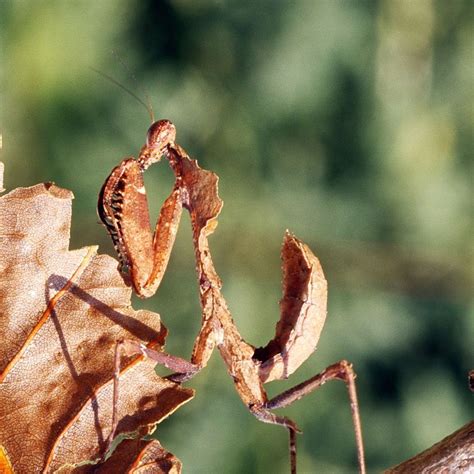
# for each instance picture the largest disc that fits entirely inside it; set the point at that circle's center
(349, 123)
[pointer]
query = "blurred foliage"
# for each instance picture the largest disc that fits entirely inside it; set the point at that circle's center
(349, 123)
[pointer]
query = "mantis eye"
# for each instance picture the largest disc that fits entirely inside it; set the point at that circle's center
(161, 134)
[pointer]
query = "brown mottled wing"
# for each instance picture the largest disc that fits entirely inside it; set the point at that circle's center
(303, 312)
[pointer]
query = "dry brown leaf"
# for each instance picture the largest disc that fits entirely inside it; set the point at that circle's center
(145, 400)
(1, 177)
(136, 457)
(61, 313)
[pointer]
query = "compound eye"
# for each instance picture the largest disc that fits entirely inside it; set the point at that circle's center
(161, 134)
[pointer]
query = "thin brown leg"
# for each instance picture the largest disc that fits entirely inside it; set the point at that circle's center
(177, 364)
(129, 347)
(263, 414)
(341, 371)
(292, 442)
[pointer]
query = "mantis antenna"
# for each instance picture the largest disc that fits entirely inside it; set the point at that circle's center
(146, 104)
(134, 79)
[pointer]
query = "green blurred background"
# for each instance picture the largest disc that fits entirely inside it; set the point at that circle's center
(349, 123)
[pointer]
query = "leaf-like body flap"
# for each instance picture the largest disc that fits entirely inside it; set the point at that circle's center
(303, 312)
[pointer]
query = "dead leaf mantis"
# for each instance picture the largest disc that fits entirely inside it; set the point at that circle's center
(123, 209)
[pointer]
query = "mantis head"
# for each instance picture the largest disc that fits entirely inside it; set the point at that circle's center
(160, 136)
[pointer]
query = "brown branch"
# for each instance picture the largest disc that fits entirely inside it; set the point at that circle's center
(455, 453)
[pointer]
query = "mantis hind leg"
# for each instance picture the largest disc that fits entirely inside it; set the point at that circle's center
(264, 414)
(339, 371)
